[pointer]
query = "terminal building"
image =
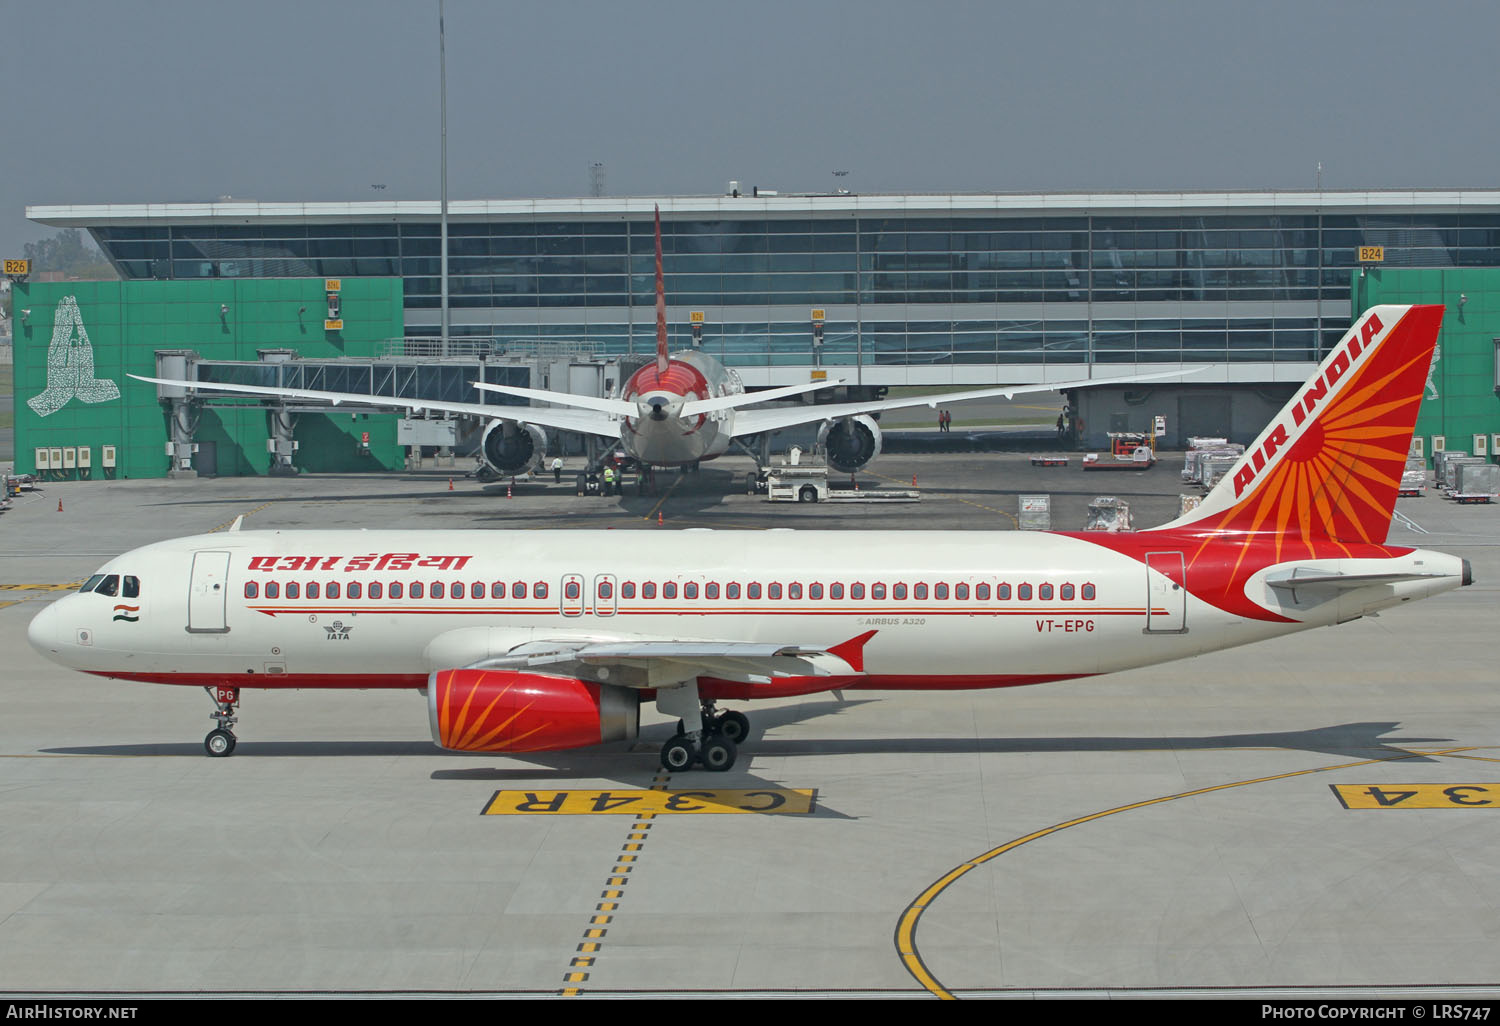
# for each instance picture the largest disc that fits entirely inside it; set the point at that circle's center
(876, 291)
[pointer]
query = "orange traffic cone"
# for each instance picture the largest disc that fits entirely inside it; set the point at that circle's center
(658, 515)
(59, 505)
(508, 485)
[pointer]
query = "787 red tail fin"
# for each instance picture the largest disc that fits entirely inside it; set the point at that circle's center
(1328, 466)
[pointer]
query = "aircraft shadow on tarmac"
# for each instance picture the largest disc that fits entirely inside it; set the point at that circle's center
(1346, 741)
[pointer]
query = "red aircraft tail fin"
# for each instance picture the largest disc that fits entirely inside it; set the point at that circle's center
(661, 305)
(1329, 464)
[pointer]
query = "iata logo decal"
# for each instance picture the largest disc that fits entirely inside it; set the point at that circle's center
(1334, 370)
(337, 631)
(70, 365)
(130, 614)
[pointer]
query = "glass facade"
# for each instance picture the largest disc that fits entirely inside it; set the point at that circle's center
(1161, 287)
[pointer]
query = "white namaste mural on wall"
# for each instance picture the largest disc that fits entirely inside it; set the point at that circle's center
(70, 364)
(1432, 390)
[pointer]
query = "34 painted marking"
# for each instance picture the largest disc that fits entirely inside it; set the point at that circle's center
(1418, 796)
(768, 801)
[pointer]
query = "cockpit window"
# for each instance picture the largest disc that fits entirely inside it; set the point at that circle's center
(109, 586)
(91, 583)
(132, 587)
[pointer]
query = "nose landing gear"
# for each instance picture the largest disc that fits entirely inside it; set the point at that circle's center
(220, 742)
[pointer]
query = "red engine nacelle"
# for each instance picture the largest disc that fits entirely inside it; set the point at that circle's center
(508, 711)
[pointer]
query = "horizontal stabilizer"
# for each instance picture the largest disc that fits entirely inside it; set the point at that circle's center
(618, 407)
(695, 407)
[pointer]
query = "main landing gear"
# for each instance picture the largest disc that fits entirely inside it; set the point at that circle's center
(715, 746)
(220, 742)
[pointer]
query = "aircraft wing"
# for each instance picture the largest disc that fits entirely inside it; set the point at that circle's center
(751, 422)
(658, 663)
(593, 422)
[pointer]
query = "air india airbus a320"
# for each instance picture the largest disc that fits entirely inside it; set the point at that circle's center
(540, 640)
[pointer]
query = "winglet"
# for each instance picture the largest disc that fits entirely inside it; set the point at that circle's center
(661, 305)
(853, 651)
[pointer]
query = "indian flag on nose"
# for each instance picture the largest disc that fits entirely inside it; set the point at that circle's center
(130, 614)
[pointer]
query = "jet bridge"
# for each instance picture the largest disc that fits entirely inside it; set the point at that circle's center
(436, 378)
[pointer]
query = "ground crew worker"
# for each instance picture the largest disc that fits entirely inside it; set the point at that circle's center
(609, 480)
(557, 470)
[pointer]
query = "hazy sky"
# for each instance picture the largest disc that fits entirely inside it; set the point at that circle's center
(186, 100)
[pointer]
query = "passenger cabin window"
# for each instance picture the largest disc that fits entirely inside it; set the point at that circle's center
(356, 590)
(940, 591)
(814, 591)
(540, 589)
(376, 590)
(732, 590)
(437, 589)
(518, 590)
(497, 590)
(794, 591)
(754, 591)
(606, 590)
(898, 592)
(394, 591)
(1044, 592)
(835, 591)
(627, 590)
(1023, 592)
(456, 589)
(920, 591)
(710, 591)
(669, 590)
(273, 589)
(417, 588)
(1002, 592)
(293, 590)
(1066, 592)
(690, 590)
(476, 590)
(982, 592)
(312, 589)
(773, 591)
(856, 591)
(571, 590)
(877, 591)
(333, 589)
(1088, 593)
(252, 590)
(960, 592)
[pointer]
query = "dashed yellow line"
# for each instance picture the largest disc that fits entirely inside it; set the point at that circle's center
(906, 927)
(74, 586)
(586, 954)
(664, 497)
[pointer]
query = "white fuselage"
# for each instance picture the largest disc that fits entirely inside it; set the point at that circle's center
(948, 609)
